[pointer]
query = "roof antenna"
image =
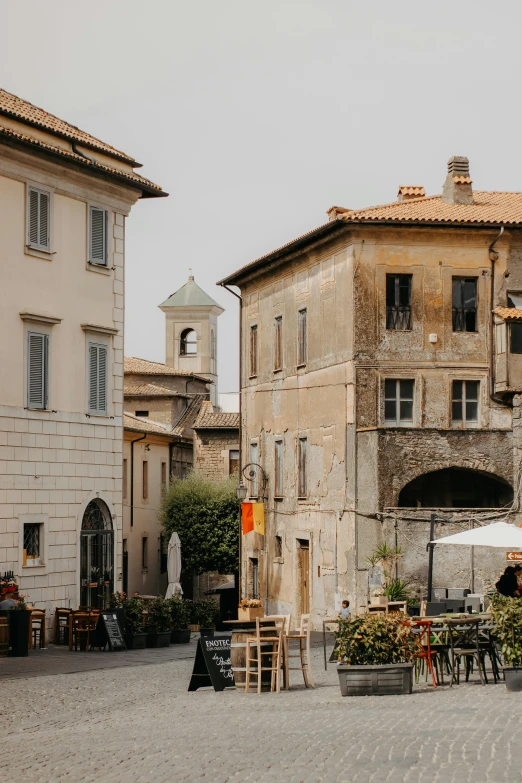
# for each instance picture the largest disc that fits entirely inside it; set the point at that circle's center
(191, 276)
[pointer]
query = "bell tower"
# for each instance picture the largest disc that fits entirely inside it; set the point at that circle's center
(191, 330)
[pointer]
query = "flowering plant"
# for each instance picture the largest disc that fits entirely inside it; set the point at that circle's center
(116, 600)
(22, 603)
(250, 603)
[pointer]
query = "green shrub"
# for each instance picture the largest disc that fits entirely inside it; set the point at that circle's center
(158, 619)
(179, 612)
(507, 613)
(133, 609)
(397, 590)
(375, 639)
(203, 613)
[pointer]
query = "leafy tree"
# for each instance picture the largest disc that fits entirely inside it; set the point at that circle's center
(205, 515)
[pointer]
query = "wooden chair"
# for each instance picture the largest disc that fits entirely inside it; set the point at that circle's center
(303, 652)
(81, 625)
(426, 654)
(37, 627)
(268, 641)
(61, 624)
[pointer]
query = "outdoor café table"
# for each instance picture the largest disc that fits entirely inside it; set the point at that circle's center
(325, 623)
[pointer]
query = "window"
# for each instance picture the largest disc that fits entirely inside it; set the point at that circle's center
(278, 547)
(188, 343)
(145, 479)
(302, 337)
(278, 483)
(398, 401)
(253, 351)
(515, 300)
(144, 552)
(97, 379)
(302, 460)
(254, 572)
(515, 337)
(464, 304)
(233, 462)
(98, 236)
(141, 413)
(163, 475)
(32, 544)
(37, 370)
(254, 481)
(124, 479)
(398, 302)
(38, 219)
(278, 343)
(464, 408)
(212, 351)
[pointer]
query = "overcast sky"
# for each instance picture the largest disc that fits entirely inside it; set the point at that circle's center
(258, 116)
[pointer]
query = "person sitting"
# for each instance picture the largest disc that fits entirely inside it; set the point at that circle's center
(508, 583)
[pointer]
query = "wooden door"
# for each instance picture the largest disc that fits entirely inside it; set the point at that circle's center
(303, 570)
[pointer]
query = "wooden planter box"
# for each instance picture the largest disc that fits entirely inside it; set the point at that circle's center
(250, 613)
(378, 600)
(384, 680)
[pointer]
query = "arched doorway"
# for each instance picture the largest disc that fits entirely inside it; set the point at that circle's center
(96, 555)
(456, 488)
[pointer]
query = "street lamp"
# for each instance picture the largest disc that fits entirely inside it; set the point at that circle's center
(253, 468)
(241, 491)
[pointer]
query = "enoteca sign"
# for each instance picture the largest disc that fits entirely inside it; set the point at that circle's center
(514, 557)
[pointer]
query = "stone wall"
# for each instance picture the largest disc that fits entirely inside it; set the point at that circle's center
(165, 410)
(211, 447)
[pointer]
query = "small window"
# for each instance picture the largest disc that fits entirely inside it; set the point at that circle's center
(37, 370)
(32, 544)
(233, 462)
(98, 219)
(278, 459)
(188, 343)
(163, 475)
(124, 479)
(464, 304)
(144, 552)
(398, 401)
(500, 342)
(145, 479)
(515, 300)
(278, 546)
(515, 337)
(254, 478)
(278, 343)
(302, 464)
(302, 337)
(254, 575)
(464, 408)
(38, 219)
(398, 302)
(98, 379)
(141, 413)
(253, 351)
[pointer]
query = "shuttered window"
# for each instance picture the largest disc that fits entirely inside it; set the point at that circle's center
(37, 370)
(302, 337)
(38, 218)
(97, 379)
(97, 236)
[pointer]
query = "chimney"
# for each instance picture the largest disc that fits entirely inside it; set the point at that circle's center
(457, 187)
(409, 192)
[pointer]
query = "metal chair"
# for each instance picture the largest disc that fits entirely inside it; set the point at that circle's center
(464, 643)
(426, 654)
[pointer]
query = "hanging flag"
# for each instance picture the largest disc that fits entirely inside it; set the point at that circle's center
(253, 517)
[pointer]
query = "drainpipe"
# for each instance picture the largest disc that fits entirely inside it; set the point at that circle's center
(493, 256)
(132, 477)
(240, 581)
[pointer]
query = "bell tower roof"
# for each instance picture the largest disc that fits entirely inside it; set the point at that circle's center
(190, 295)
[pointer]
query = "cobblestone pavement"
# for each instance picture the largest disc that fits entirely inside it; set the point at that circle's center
(138, 724)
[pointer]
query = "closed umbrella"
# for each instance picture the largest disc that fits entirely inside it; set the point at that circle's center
(499, 534)
(174, 567)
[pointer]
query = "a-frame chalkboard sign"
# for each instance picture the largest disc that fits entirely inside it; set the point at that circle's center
(108, 631)
(212, 665)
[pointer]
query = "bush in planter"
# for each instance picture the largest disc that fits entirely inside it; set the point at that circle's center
(507, 613)
(203, 613)
(375, 644)
(180, 618)
(158, 622)
(116, 600)
(134, 633)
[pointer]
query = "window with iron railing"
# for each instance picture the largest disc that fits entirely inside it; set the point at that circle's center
(464, 304)
(398, 302)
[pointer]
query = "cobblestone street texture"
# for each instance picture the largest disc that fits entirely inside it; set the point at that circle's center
(138, 724)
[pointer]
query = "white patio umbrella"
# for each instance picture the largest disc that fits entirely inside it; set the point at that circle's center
(174, 566)
(499, 534)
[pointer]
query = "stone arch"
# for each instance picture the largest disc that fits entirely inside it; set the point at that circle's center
(188, 342)
(456, 487)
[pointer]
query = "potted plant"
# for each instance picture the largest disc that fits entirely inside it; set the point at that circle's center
(179, 617)
(375, 654)
(249, 609)
(158, 623)
(507, 613)
(19, 624)
(134, 634)
(203, 613)
(386, 558)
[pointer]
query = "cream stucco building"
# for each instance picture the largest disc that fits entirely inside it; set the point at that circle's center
(64, 198)
(380, 378)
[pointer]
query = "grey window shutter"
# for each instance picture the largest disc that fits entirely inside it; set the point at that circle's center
(39, 215)
(37, 370)
(97, 235)
(97, 378)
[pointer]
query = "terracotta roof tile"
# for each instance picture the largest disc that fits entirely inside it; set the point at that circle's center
(134, 366)
(144, 425)
(412, 190)
(136, 389)
(210, 419)
(16, 107)
(185, 423)
(509, 313)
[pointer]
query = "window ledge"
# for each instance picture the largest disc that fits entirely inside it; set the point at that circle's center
(39, 252)
(279, 369)
(251, 377)
(279, 498)
(99, 268)
(40, 318)
(99, 329)
(301, 366)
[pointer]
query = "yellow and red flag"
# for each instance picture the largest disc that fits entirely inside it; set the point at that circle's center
(253, 517)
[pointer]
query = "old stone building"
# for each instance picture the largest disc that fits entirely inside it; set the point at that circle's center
(379, 364)
(172, 428)
(64, 198)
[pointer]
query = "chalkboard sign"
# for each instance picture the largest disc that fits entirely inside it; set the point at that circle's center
(108, 631)
(212, 664)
